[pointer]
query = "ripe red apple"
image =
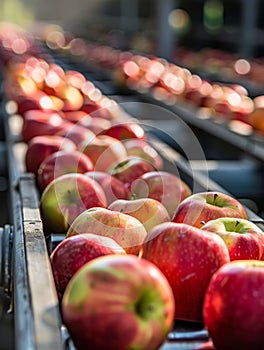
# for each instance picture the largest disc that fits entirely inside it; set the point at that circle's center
(95, 110)
(124, 229)
(60, 163)
(113, 188)
(123, 131)
(163, 186)
(66, 197)
(234, 306)
(118, 302)
(188, 257)
(104, 151)
(201, 207)
(72, 253)
(41, 147)
(243, 238)
(141, 148)
(77, 133)
(147, 210)
(95, 124)
(130, 169)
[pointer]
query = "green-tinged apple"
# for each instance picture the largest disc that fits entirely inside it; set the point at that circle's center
(66, 197)
(188, 257)
(243, 238)
(60, 163)
(113, 188)
(130, 169)
(163, 186)
(104, 151)
(41, 147)
(201, 207)
(72, 253)
(147, 210)
(124, 229)
(118, 302)
(234, 306)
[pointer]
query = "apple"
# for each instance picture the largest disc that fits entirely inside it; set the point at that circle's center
(77, 133)
(95, 110)
(201, 207)
(123, 131)
(104, 151)
(243, 238)
(255, 119)
(163, 186)
(40, 147)
(118, 302)
(141, 148)
(60, 163)
(75, 116)
(234, 306)
(126, 230)
(113, 188)
(95, 124)
(147, 210)
(188, 257)
(65, 198)
(72, 253)
(130, 169)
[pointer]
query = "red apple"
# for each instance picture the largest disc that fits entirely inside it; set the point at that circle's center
(95, 124)
(60, 163)
(188, 257)
(234, 306)
(66, 197)
(95, 110)
(72, 253)
(147, 210)
(243, 238)
(118, 302)
(104, 151)
(201, 207)
(141, 148)
(77, 133)
(41, 147)
(123, 131)
(163, 186)
(113, 188)
(124, 229)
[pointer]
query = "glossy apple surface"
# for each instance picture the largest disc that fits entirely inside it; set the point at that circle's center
(66, 197)
(201, 207)
(163, 186)
(118, 302)
(188, 257)
(243, 238)
(124, 229)
(147, 210)
(72, 253)
(234, 306)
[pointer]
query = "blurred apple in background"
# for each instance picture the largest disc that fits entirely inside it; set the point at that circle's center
(124, 131)
(72, 253)
(65, 198)
(147, 210)
(60, 163)
(124, 229)
(113, 188)
(163, 186)
(95, 124)
(188, 257)
(77, 133)
(201, 207)
(118, 302)
(234, 305)
(40, 147)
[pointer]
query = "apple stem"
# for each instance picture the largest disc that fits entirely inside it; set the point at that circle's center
(215, 196)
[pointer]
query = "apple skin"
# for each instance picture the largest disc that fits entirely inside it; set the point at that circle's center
(60, 163)
(188, 257)
(130, 169)
(104, 151)
(95, 124)
(113, 188)
(41, 147)
(126, 230)
(118, 302)
(163, 186)
(125, 131)
(65, 198)
(72, 253)
(201, 207)
(77, 133)
(243, 238)
(147, 210)
(234, 306)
